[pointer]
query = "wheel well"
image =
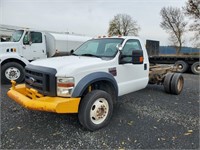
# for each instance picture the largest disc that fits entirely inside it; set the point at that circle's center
(13, 60)
(104, 86)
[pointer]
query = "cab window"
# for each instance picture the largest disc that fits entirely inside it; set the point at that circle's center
(130, 46)
(36, 37)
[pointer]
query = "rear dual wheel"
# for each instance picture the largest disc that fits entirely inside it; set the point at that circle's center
(173, 83)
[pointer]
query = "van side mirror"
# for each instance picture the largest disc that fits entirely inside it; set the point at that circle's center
(135, 58)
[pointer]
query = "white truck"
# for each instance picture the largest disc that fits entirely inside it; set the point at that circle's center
(89, 81)
(29, 45)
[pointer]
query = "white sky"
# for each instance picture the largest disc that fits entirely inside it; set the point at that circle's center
(88, 17)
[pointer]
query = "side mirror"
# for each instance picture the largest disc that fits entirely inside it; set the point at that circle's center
(119, 47)
(71, 52)
(27, 39)
(135, 58)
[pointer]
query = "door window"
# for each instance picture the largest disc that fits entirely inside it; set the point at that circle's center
(36, 37)
(130, 46)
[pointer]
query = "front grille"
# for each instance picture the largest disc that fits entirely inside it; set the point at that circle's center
(41, 79)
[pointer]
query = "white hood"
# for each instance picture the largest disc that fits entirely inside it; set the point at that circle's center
(8, 45)
(70, 65)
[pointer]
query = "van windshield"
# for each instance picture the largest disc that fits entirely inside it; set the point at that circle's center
(106, 47)
(16, 36)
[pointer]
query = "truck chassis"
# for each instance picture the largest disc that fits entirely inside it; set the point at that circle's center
(166, 75)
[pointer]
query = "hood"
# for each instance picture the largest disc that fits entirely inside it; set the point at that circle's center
(7, 46)
(69, 65)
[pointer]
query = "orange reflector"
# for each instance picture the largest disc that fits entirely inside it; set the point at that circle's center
(70, 84)
(141, 59)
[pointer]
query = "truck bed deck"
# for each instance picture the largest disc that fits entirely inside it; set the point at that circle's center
(171, 59)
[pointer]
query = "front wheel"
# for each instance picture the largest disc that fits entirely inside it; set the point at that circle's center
(12, 71)
(95, 110)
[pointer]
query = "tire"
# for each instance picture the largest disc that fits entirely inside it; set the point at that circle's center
(12, 71)
(167, 82)
(196, 68)
(177, 84)
(181, 66)
(95, 110)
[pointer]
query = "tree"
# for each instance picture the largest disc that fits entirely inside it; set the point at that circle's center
(123, 24)
(192, 10)
(174, 24)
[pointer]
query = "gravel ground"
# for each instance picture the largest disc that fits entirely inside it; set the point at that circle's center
(147, 119)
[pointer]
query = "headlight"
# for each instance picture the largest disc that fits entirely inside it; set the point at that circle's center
(65, 86)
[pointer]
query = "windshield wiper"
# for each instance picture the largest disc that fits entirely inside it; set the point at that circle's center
(74, 54)
(92, 55)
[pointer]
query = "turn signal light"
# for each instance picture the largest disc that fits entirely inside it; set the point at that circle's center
(69, 84)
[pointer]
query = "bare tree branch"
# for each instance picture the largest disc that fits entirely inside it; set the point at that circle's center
(192, 10)
(173, 23)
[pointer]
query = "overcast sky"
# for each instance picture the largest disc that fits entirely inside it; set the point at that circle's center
(88, 17)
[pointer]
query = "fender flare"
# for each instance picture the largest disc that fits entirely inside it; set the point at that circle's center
(91, 78)
(15, 56)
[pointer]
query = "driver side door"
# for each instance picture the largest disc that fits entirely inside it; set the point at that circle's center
(34, 46)
(131, 76)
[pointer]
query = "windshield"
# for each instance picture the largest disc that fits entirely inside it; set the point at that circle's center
(106, 47)
(17, 35)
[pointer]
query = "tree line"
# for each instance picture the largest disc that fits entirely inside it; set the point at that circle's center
(173, 22)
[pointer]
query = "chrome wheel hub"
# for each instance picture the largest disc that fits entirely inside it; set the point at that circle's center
(12, 73)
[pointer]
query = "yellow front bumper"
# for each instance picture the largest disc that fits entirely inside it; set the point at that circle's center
(29, 98)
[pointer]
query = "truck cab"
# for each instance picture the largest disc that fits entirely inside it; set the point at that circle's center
(88, 81)
(27, 44)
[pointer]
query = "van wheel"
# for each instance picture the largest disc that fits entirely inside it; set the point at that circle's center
(95, 110)
(177, 84)
(196, 68)
(167, 82)
(12, 71)
(181, 66)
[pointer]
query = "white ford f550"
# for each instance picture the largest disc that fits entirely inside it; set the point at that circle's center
(89, 81)
(29, 45)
